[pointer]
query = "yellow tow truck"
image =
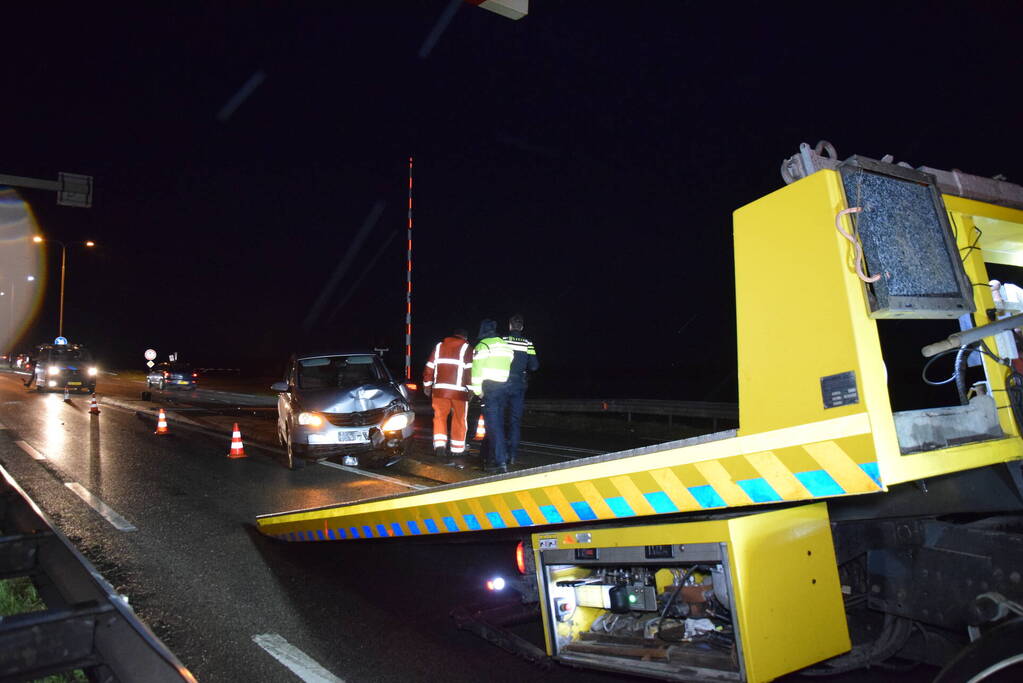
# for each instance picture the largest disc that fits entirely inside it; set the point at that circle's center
(854, 519)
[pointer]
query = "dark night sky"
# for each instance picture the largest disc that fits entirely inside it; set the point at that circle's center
(580, 165)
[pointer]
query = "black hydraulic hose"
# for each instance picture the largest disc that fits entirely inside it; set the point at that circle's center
(893, 637)
(960, 374)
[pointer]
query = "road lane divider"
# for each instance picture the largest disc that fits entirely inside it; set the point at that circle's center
(372, 475)
(36, 455)
(119, 522)
(298, 662)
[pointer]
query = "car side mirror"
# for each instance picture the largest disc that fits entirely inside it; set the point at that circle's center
(280, 387)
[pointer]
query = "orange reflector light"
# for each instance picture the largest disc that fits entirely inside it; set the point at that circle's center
(412, 386)
(520, 557)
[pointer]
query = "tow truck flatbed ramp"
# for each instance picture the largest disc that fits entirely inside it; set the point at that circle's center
(708, 472)
(816, 419)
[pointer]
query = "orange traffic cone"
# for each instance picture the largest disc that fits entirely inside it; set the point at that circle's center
(481, 430)
(93, 406)
(237, 449)
(161, 423)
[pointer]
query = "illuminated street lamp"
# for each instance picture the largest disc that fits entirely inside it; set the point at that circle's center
(63, 267)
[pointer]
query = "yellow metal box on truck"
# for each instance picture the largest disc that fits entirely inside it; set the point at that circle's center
(748, 598)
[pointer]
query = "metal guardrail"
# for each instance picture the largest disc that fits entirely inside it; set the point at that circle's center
(639, 406)
(86, 625)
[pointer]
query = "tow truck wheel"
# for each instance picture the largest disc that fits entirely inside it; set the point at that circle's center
(993, 658)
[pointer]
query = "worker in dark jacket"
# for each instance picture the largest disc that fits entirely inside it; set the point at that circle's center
(524, 361)
(30, 365)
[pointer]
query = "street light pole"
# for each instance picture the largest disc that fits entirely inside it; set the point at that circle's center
(63, 269)
(63, 264)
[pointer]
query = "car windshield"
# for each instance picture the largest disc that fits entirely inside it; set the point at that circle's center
(329, 372)
(68, 355)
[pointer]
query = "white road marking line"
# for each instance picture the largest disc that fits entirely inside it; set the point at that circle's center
(300, 664)
(372, 475)
(119, 522)
(31, 451)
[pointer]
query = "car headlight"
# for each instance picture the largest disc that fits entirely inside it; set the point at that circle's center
(395, 423)
(310, 419)
(53, 370)
(93, 372)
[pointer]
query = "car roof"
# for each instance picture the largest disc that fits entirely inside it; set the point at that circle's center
(345, 352)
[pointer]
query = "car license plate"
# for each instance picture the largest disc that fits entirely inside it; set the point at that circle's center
(182, 381)
(354, 436)
(74, 384)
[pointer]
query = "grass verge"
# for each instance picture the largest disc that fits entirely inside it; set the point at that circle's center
(18, 596)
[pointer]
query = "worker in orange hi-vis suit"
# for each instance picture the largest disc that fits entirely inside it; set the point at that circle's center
(446, 378)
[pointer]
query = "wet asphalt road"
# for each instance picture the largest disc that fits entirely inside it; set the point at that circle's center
(200, 575)
(197, 572)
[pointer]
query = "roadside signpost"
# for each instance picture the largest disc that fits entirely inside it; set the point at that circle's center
(150, 357)
(73, 189)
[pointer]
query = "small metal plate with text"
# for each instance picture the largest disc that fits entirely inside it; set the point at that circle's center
(839, 390)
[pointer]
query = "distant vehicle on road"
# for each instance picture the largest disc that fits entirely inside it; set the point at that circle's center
(175, 375)
(342, 403)
(65, 366)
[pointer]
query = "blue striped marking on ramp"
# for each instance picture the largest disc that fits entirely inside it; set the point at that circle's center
(396, 527)
(660, 502)
(758, 490)
(319, 535)
(431, 526)
(620, 507)
(552, 514)
(496, 521)
(583, 510)
(449, 522)
(367, 532)
(706, 496)
(819, 483)
(355, 532)
(522, 517)
(472, 522)
(381, 531)
(413, 527)
(871, 469)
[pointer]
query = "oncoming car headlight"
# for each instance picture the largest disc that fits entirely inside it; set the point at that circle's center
(310, 419)
(93, 371)
(395, 423)
(53, 370)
